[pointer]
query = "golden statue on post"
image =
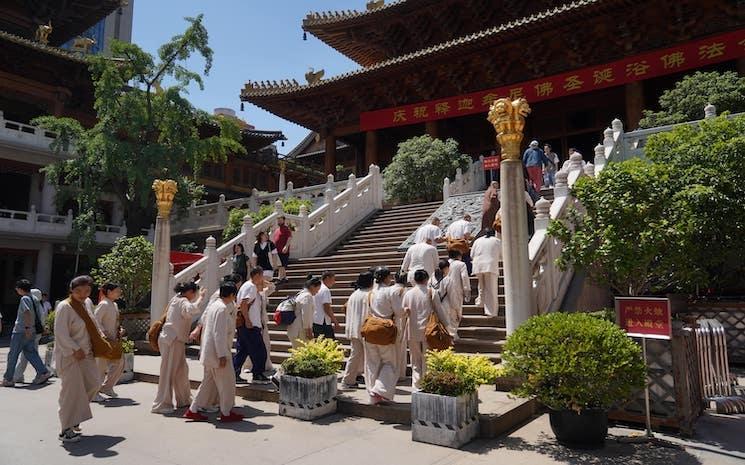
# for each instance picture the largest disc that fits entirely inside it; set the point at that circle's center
(165, 191)
(42, 32)
(508, 119)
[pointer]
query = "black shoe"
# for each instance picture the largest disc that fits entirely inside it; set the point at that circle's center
(360, 379)
(239, 380)
(260, 379)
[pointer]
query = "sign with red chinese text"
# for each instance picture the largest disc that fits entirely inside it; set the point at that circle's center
(686, 56)
(644, 317)
(491, 163)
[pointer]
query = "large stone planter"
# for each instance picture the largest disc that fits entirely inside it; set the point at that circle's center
(307, 398)
(444, 420)
(129, 368)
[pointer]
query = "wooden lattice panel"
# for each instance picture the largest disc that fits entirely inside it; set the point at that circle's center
(732, 317)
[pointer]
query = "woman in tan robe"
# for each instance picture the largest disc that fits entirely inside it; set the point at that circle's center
(107, 317)
(490, 206)
(74, 361)
(174, 372)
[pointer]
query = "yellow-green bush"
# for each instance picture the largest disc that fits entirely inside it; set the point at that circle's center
(451, 374)
(314, 359)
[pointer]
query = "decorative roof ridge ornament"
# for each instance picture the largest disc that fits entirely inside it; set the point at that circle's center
(165, 191)
(314, 77)
(82, 45)
(508, 119)
(42, 32)
(375, 4)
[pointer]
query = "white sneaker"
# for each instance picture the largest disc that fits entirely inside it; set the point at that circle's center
(99, 398)
(110, 393)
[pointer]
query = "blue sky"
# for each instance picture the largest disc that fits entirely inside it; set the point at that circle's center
(251, 40)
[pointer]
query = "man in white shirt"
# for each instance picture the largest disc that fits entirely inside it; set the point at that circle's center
(323, 315)
(249, 340)
(422, 256)
(487, 252)
(458, 237)
(219, 377)
(430, 233)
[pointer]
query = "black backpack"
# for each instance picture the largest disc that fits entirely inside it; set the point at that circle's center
(38, 324)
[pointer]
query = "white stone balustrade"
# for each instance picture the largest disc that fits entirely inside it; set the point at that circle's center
(22, 134)
(313, 233)
(211, 217)
(471, 180)
(43, 225)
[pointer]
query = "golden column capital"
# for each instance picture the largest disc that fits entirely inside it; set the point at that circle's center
(165, 191)
(508, 119)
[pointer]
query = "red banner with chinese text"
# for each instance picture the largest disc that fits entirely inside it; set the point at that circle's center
(491, 163)
(686, 56)
(644, 317)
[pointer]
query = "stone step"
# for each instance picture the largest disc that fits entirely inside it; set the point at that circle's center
(370, 254)
(486, 332)
(410, 216)
(344, 289)
(339, 312)
(397, 226)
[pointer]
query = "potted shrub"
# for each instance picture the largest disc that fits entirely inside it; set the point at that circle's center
(49, 353)
(577, 365)
(307, 383)
(128, 352)
(446, 411)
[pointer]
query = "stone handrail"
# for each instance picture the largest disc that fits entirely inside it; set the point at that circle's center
(214, 216)
(550, 283)
(20, 133)
(312, 234)
(56, 226)
(471, 181)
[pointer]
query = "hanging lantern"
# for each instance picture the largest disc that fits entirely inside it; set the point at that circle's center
(305, 35)
(241, 106)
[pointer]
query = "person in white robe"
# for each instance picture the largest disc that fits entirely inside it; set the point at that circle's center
(107, 317)
(390, 301)
(74, 361)
(357, 309)
(486, 254)
(430, 233)
(215, 355)
(461, 289)
(173, 382)
(301, 329)
(444, 286)
(382, 361)
(419, 302)
(422, 256)
(459, 236)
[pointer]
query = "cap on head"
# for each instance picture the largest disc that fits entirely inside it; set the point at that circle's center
(534, 143)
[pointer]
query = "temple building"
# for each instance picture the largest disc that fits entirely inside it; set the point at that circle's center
(434, 67)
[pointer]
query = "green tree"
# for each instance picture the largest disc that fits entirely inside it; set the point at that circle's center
(146, 129)
(686, 101)
(130, 265)
(419, 167)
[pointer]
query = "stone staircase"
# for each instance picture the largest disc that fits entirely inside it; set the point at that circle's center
(372, 244)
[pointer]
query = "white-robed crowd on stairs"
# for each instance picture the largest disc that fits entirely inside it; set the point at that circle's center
(238, 310)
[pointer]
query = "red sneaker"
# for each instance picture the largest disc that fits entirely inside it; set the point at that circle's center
(233, 417)
(194, 416)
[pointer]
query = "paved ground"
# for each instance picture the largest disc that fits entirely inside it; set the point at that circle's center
(124, 431)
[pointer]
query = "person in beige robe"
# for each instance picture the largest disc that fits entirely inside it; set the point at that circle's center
(215, 354)
(422, 256)
(302, 328)
(74, 362)
(419, 302)
(486, 254)
(382, 364)
(107, 317)
(460, 290)
(358, 307)
(174, 372)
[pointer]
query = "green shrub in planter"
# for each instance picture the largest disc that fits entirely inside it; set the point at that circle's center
(314, 359)
(451, 374)
(128, 347)
(574, 361)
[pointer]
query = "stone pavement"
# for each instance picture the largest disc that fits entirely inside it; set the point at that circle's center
(123, 431)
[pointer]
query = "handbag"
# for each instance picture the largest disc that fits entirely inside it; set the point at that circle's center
(437, 335)
(153, 333)
(285, 315)
(461, 245)
(379, 331)
(100, 346)
(38, 324)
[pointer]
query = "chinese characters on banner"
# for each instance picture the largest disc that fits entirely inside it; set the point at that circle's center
(491, 163)
(661, 62)
(644, 316)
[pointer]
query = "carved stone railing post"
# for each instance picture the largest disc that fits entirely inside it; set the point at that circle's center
(300, 237)
(247, 229)
(289, 192)
(600, 159)
(542, 207)
(446, 189)
(352, 184)
(329, 199)
(561, 189)
(710, 111)
(222, 210)
(590, 170)
(253, 201)
(211, 276)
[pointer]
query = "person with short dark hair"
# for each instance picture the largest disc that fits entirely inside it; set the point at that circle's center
(301, 329)
(461, 290)
(173, 382)
(249, 327)
(23, 338)
(107, 316)
(419, 302)
(357, 309)
(282, 238)
(262, 254)
(215, 355)
(240, 261)
(324, 320)
(551, 168)
(74, 360)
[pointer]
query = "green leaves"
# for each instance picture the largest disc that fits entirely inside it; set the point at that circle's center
(314, 359)
(451, 374)
(419, 167)
(145, 129)
(686, 101)
(574, 361)
(130, 265)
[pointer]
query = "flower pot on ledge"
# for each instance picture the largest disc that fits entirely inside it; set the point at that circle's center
(129, 368)
(444, 420)
(307, 398)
